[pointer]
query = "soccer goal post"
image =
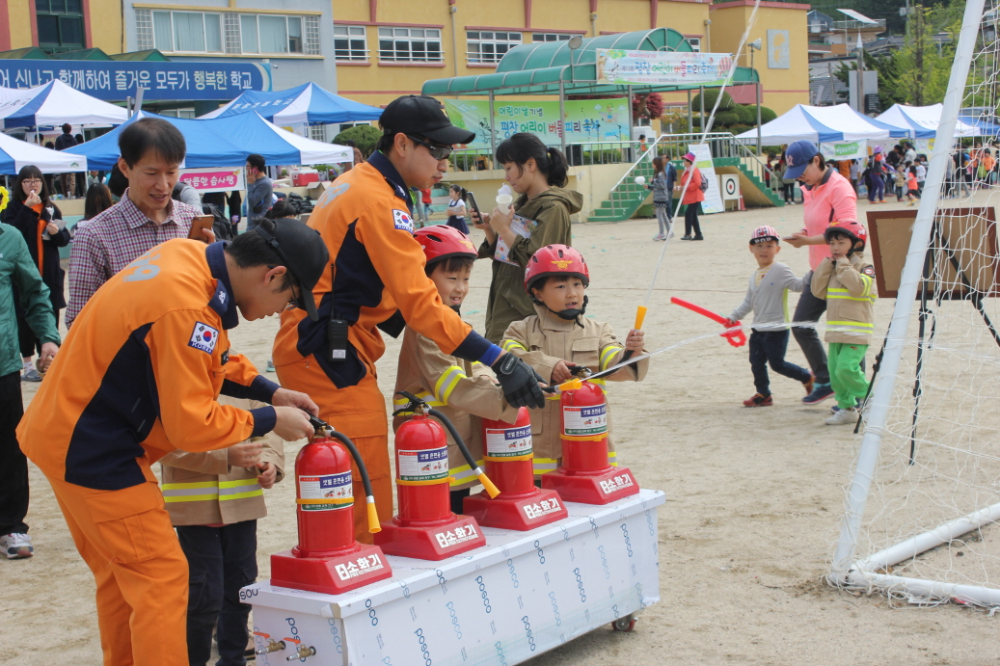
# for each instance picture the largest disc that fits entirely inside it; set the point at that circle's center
(924, 496)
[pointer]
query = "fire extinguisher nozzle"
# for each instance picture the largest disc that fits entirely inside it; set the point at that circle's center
(373, 522)
(485, 480)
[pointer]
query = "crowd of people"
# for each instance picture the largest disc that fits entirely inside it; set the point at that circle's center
(147, 373)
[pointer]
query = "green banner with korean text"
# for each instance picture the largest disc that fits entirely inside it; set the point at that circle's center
(587, 121)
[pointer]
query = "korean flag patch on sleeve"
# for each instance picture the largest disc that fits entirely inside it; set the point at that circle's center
(204, 337)
(402, 220)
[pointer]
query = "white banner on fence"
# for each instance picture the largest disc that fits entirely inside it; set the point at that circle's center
(616, 66)
(713, 196)
(844, 150)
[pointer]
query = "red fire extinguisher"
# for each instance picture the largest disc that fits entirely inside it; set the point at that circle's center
(327, 558)
(509, 462)
(425, 527)
(585, 475)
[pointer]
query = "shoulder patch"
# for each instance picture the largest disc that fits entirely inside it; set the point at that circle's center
(869, 271)
(204, 337)
(402, 220)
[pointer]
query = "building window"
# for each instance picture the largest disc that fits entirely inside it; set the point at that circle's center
(205, 32)
(695, 43)
(550, 37)
(317, 132)
(350, 42)
(488, 46)
(179, 113)
(143, 29)
(409, 45)
(232, 27)
(186, 32)
(60, 25)
(312, 35)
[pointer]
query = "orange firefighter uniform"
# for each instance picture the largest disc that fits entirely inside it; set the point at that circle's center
(542, 340)
(376, 282)
(138, 377)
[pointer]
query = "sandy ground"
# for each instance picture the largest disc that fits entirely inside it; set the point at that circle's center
(754, 496)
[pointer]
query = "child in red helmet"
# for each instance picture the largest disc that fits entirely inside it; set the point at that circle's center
(767, 296)
(463, 391)
(847, 282)
(558, 338)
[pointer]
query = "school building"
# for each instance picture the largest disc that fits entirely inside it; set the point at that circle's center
(387, 48)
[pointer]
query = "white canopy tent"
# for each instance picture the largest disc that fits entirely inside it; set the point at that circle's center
(823, 124)
(53, 104)
(15, 154)
(923, 121)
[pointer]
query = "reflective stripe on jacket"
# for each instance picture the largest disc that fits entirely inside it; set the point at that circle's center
(463, 391)
(542, 340)
(850, 294)
(203, 489)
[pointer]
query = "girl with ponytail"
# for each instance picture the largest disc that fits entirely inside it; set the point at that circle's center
(540, 216)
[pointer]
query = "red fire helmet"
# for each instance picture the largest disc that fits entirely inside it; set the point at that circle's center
(851, 228)
(442, 242)
(555, 260)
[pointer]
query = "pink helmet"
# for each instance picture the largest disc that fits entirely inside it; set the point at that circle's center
(765, 233)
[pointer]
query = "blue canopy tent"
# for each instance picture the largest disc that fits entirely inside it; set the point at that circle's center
(983, 127)
(305, 104)
(224, 142)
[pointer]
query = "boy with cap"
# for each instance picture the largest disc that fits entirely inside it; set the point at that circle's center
(377, 282)
(767, 296)
(827, 197)
(847, 282)
(139, 377)
(463, 391)
(559, 339)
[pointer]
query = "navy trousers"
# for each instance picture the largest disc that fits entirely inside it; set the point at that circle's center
(768, 348)
(221, 560)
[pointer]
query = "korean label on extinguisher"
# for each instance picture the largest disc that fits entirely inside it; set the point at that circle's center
(426, 465)
(508, 442)
(584, 421)
(326, 487)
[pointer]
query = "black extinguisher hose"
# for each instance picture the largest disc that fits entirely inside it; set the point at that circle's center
(483, 479)
(373, 522)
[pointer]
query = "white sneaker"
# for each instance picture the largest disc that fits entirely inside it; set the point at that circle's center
(843, 417)
(16, 546)
(659, 237)
(670, 235)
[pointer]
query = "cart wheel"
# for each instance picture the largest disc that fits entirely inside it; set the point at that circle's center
(626, 623)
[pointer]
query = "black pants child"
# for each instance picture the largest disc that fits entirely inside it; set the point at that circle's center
(768, 347)
(221, 560)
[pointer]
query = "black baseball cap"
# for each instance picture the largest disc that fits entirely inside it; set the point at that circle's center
(291, 239)
(423, 116)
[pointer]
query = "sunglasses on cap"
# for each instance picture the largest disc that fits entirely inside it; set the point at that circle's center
(437, 151)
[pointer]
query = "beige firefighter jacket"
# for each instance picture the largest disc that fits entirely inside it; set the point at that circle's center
(850, 293)
(543, 340)
(463, 391)
(202, 489)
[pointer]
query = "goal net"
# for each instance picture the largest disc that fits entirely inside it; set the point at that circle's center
(924, 499)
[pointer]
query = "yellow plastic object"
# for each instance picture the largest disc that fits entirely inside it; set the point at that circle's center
(373, 524)
(490, 488)
(640, 315)
(571, 385)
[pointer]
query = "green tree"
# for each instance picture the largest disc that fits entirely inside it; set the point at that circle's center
(365, 136)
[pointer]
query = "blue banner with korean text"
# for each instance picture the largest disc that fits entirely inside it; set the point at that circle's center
(114, 81)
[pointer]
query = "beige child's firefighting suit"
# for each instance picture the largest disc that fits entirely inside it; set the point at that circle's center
(461, 390)
(542, 341)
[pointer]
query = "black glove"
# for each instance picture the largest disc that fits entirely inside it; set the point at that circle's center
(519, 382)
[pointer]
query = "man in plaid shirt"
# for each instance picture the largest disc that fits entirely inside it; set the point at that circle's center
(151, 154)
